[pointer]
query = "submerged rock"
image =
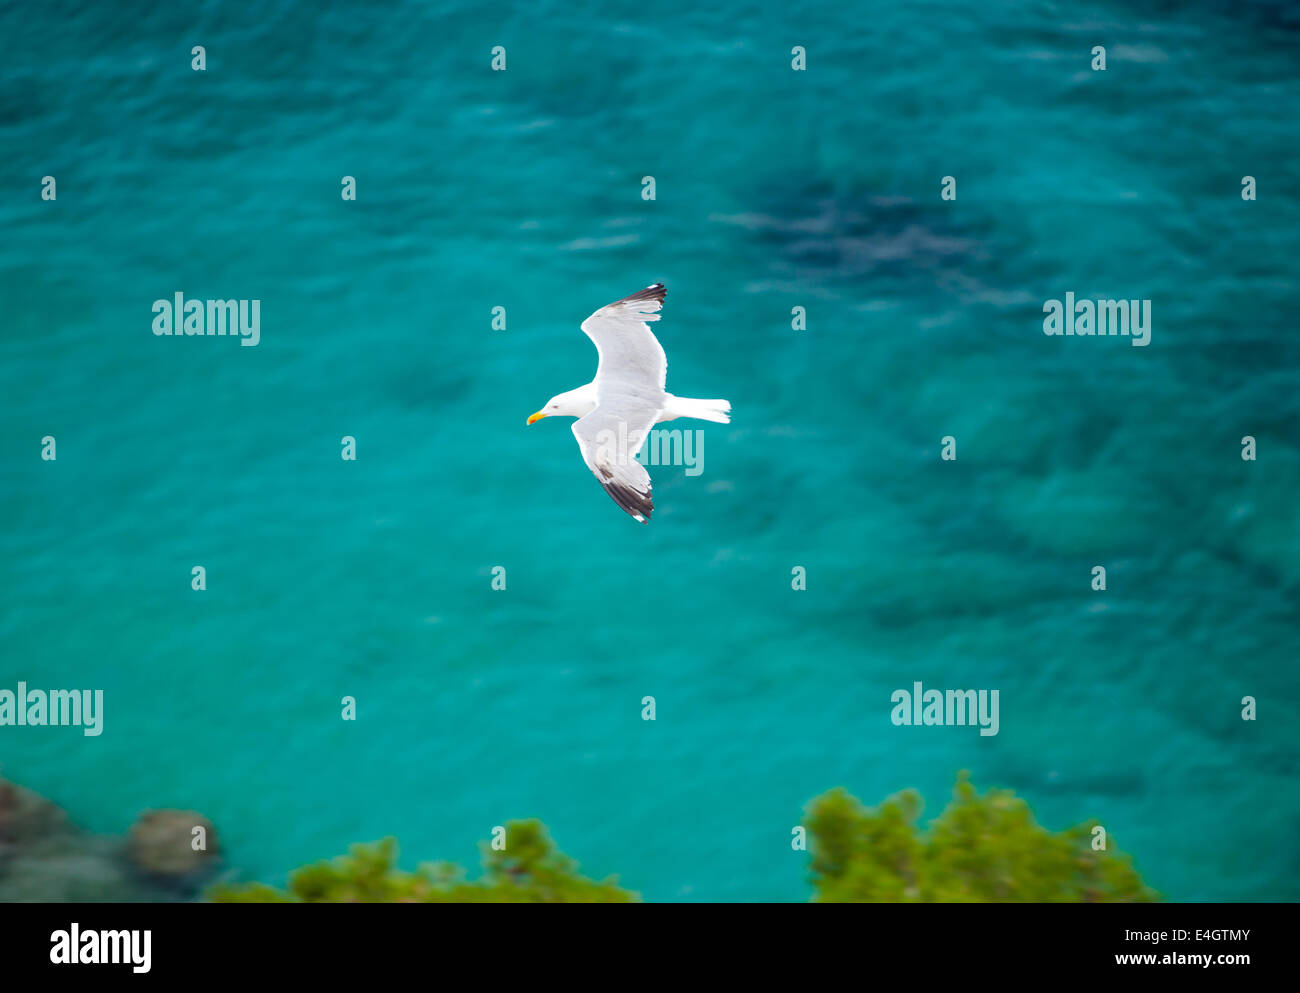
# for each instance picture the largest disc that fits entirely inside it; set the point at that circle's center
(26, 816)
(46, 858)
(173, 844)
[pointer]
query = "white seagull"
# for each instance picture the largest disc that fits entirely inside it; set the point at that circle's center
(616, 410)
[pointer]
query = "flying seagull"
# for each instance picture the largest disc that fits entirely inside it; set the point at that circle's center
(616, 410)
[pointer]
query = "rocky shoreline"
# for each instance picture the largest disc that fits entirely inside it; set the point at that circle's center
(167, 856)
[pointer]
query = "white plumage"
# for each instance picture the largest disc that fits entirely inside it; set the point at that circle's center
(617, 409)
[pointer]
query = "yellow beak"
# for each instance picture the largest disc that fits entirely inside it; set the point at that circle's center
(536, 417)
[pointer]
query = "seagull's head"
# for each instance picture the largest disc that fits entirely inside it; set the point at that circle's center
(575, 403)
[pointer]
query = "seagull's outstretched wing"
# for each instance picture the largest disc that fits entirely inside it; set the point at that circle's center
(609, 437)
(631, 358)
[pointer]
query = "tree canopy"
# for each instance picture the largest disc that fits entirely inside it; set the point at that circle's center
(530, 870)
(983, 848)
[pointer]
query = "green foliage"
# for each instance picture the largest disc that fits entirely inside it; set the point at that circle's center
(981, 849)
(531, 870)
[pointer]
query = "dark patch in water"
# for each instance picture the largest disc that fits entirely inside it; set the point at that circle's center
(1260, 15)
(818, 234)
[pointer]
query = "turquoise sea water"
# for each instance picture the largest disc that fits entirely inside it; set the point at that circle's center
(775, 189)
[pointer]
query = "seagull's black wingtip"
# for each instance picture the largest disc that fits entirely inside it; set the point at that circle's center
(638, 506)
(655, 291)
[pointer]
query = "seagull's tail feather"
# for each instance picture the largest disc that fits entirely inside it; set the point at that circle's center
(718, 411)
